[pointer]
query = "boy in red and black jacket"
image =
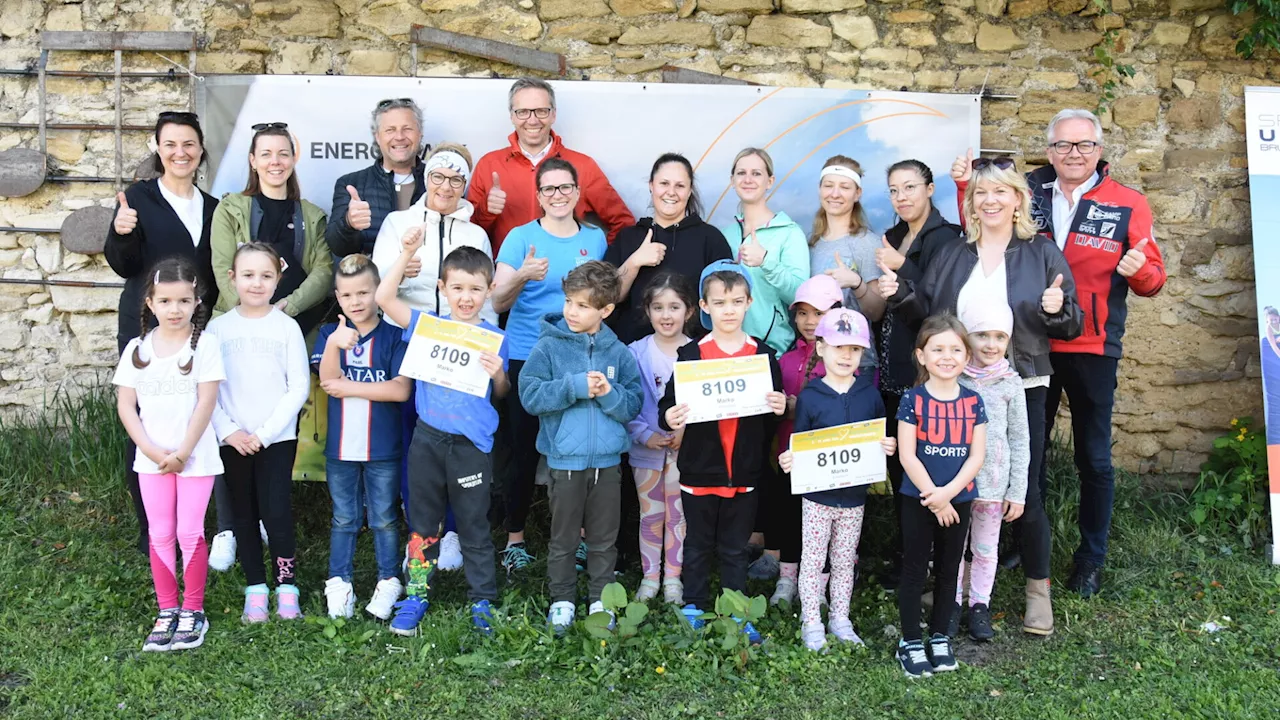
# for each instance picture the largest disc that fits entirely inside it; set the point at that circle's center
(722, 462)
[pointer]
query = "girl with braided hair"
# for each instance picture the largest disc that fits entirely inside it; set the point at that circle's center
(167, 381)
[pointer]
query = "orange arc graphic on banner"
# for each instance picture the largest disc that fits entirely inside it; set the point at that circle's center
(728, 127)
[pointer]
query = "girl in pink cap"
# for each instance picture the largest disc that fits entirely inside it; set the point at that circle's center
(832, 519)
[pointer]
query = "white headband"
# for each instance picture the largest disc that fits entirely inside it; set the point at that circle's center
(448, 159)
(842, 171)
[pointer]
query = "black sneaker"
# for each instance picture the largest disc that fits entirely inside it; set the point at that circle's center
(161, 635)
(940, 653)
(980, 622)
(1085, 579)
(912, 658)
(953, 623)
(192, 627)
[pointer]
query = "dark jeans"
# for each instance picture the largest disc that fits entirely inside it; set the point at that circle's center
(1090, 384)
(445, 471)
(721, 526)
(924, 540)
(584, 507)
(355, 486)
(260, 487)
(781, 517)
(1034, 524)
(524, 453)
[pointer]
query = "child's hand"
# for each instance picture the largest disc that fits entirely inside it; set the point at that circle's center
(657, 441)
(1013, 510)
(172, 463)
(784, 461)
(777, 402)
(889, 445)
(344, 336)
(411, 240)
(791, 406)
(936, 499)
(492, 364)
(677, 415)
(241, 442)
(256, 443)
(947, 516)
(154, 453)
(338, 387)
(597, 384)
(676, 440)
(414, 268)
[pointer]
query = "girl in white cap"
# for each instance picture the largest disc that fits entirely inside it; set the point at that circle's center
(1002, 481)
(832, 519)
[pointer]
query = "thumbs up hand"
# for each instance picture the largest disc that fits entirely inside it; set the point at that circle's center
(962, 168)
(650, 253)
(411, 240)
(359, 216)
(497, 200)
(344, 336)
(1051, 300)
(534, 268)
(843, 274)
(751, 253)
(888, 280)
(126, 217)
(1133, 260)
(888, 256)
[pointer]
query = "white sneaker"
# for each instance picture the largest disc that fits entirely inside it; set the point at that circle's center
(222, 553)
(341, 597)
(842, 628)
(673, 591)
(647, 591)
(561, 615)
(598, 607)
(385, 596)
(450, 552)
(262, 530)
(815, 637)
(786, 590)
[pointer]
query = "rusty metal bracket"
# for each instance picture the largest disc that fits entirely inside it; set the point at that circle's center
(523, 57)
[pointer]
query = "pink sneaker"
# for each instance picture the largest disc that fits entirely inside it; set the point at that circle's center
(255, 606)
(287, 603)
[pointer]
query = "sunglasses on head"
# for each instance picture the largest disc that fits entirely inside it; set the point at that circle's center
(270, 126)
(1003, 163)
(395, 101)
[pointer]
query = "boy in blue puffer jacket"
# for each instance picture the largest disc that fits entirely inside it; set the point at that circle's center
(584, 386)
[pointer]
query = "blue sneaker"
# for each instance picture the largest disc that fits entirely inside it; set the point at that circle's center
(409, 612)
(482, 616)
(693, 616)
(750, 631)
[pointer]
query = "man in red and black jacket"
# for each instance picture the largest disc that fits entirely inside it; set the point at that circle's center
(1105, 230)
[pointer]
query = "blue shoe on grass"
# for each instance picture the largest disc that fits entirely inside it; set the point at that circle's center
(482, 616)
(409, 613)
(693, 616)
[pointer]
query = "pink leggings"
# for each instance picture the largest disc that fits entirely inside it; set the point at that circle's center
(661, 519)
(984, 541)
(839, 530)
(175, 513)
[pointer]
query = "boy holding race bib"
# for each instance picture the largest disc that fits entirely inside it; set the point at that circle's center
(449, 456)
(833, 518)
(723, 460)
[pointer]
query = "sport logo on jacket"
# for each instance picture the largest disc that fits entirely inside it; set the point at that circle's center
(1097, 227)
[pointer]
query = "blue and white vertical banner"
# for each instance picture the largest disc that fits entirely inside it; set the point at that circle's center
(1262, 128)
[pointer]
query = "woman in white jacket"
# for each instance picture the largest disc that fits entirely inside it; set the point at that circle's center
(444, 215)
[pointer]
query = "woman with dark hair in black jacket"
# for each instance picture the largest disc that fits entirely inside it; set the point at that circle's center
(156, 219)
(1005, 261)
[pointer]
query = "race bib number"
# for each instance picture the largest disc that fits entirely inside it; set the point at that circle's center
(837, 457)
(725, 388)
(447, 353)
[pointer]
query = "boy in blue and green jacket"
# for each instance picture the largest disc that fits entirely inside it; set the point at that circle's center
(584, 386)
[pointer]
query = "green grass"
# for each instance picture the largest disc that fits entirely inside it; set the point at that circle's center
(76, 602)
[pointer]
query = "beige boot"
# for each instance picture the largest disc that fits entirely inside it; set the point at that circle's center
(1038, 619)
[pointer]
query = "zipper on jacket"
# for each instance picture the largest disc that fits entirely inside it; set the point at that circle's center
(1093, 302)
(591, 452)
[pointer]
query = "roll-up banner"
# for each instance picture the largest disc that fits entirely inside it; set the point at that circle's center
(623, 126)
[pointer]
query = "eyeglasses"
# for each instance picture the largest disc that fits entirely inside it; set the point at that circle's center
(1062, 147)
(455, 181)
(540, 113)
(1002, 163)
(550, 190)
(269, 126)
(178, 115)
(395, 101)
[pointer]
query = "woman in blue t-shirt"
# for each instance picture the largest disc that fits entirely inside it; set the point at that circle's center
(942, 438)
(531, 265)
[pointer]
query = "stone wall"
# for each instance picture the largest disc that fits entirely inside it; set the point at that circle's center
(1176, 133)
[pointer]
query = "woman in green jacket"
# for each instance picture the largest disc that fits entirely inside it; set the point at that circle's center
(771, 246)
(271, 210)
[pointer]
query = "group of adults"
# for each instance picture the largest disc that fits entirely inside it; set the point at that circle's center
(1063, 245)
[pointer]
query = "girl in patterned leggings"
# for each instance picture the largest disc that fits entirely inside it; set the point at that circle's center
(832, 519)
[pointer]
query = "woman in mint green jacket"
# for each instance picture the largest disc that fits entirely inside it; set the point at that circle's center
(271, 210)
(771, 246)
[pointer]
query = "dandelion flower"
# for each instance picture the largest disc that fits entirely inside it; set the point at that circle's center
(659, 669)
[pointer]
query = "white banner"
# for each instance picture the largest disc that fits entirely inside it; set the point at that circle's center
(623, 126)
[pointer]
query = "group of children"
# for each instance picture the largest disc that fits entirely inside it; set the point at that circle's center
(239, 381)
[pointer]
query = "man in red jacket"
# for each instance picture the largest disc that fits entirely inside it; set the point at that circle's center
(502, 186)
(1105, 230)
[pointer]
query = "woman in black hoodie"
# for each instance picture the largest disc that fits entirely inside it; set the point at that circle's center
(674, 239)
(156, 219)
